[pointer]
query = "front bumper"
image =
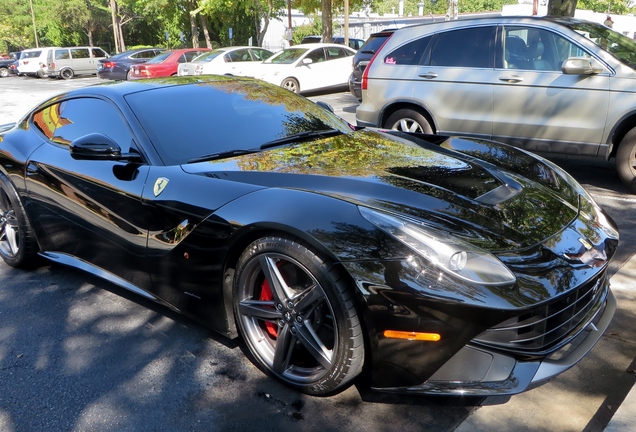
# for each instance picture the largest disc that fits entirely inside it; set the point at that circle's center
(478, 371)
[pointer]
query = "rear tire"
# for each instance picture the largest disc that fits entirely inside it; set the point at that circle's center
(18, 246)
(626, 160)
(67, 73)
(4, 72)
(296, 313)
(407, 120)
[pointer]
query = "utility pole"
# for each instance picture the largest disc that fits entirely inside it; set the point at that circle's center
(35, 31)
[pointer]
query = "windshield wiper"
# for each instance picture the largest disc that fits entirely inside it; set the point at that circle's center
(301, 136)
(222, 155)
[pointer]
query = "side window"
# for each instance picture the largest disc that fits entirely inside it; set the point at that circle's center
(48, 119)
(75, 118)
(98, 52)
(240, 55)
(317, 55)
(78, 53)
(537, 49)
(335, 53)
(61, 54)
(189, 56)
(470, 47)
(409, 54)
(260, 55)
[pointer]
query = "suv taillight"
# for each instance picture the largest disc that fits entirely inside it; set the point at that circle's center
(365, 75)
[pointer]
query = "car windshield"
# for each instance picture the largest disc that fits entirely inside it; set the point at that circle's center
(224, 115)
(159, 59)
(287, 56)
(208, 56)
(617, 44)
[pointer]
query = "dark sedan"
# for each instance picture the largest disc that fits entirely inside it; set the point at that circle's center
(118, 66)
(438, 265)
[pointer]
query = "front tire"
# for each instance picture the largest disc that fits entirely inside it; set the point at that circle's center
(407, 120)
(626, 160)
(18, 246)
(296, 313)
(291, 84)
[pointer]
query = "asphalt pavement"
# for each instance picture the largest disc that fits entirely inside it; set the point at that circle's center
(173, 375)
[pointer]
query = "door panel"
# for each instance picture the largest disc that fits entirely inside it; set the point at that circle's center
(537, 106)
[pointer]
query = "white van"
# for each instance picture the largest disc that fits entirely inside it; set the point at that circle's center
(68, 62)
(33, 61)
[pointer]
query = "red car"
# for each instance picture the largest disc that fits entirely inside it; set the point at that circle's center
(164, 64)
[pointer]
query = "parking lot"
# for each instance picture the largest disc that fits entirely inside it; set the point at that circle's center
(77, 353)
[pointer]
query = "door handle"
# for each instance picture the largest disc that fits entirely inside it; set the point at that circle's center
(428, 75)
(511, 78)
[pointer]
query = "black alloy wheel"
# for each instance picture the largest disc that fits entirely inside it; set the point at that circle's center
(18, 246)
(297, 316)
(67, 73)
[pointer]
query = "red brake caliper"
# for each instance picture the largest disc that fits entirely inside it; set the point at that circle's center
(266, 294)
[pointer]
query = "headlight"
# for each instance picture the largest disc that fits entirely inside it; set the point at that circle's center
(446, 252)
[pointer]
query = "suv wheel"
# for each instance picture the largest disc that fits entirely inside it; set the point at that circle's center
(408, 120)
(626, 160)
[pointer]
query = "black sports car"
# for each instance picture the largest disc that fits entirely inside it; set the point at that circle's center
(438, 265)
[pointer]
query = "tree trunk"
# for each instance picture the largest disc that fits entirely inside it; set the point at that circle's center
(206, 33)
(327, 24)
(562, 7)
(194, 29)
(113, 14)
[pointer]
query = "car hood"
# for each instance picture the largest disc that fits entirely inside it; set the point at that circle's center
(481, 199)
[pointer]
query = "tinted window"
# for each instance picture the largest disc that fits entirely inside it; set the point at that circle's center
(409, 54)
(209, 56)
(470, 47)
(317, 55)
(72, 119)
(189, 56)
(223, 116)
(31, 54)
(78, 53)
(160, 58)
(374, 43)
(62, 54)
(98, 52)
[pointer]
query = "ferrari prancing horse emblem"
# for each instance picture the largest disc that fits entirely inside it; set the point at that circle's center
(160, 185)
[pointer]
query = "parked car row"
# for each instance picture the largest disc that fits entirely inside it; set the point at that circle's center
(556, 84)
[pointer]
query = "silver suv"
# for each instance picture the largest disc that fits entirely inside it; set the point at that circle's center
(559, 85)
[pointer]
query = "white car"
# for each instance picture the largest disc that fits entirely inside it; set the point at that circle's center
(33, 62)
(237, 61)
(306, 67)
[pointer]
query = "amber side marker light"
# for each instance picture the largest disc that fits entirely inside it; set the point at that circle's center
(395, 334)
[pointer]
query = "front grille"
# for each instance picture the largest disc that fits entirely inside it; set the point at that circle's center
(550, 326)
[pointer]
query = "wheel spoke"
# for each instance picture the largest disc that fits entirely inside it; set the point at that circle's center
(259, 309)
(309, 299)
(284, 348)
(12, 235)
(5, 205)
(275, 280)
(311, 341)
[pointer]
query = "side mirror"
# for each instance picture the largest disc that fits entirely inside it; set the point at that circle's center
(307, 61)
(581, 66)
(95, 146)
